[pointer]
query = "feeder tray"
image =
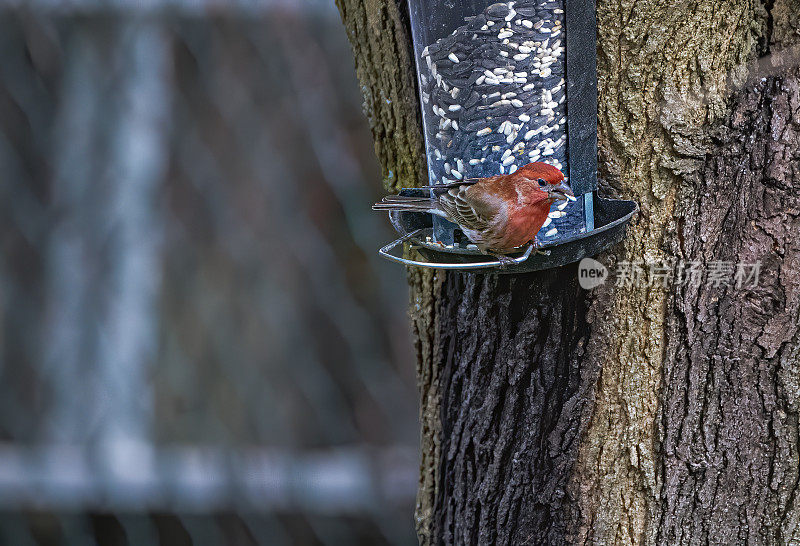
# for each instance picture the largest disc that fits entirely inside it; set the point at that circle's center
(610, 216)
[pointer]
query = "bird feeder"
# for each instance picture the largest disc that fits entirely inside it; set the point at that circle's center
(502, 85)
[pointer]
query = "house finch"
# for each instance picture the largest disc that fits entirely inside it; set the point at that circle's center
(500, 213)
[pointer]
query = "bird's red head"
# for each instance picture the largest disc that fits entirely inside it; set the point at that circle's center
(548, 179)
(546, 172)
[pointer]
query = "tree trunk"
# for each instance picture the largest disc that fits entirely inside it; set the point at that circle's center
(636, 413)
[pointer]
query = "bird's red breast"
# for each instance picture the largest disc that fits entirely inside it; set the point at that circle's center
(523, 205)
(523, 208)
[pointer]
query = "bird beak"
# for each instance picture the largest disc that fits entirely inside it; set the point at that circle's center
(562, 192)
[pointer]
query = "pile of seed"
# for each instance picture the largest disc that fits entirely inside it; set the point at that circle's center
(493, 94)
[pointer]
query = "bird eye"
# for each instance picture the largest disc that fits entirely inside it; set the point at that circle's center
(542, 182)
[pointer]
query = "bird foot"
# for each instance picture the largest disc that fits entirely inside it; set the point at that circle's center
(538, 250)
(504, 260)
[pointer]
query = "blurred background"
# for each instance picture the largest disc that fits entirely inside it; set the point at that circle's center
(198, 342)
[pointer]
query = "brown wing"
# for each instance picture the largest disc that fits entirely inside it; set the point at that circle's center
(471, 209)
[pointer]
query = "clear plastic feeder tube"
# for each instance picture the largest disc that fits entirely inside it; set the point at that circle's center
(492, 83)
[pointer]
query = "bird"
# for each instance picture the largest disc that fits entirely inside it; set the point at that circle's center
(499, 213)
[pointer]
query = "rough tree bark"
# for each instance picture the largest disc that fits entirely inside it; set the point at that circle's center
(634, 414)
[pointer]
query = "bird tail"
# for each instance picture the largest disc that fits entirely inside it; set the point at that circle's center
(409, 204)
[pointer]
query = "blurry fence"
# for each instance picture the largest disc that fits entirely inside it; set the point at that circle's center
(197, 340)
